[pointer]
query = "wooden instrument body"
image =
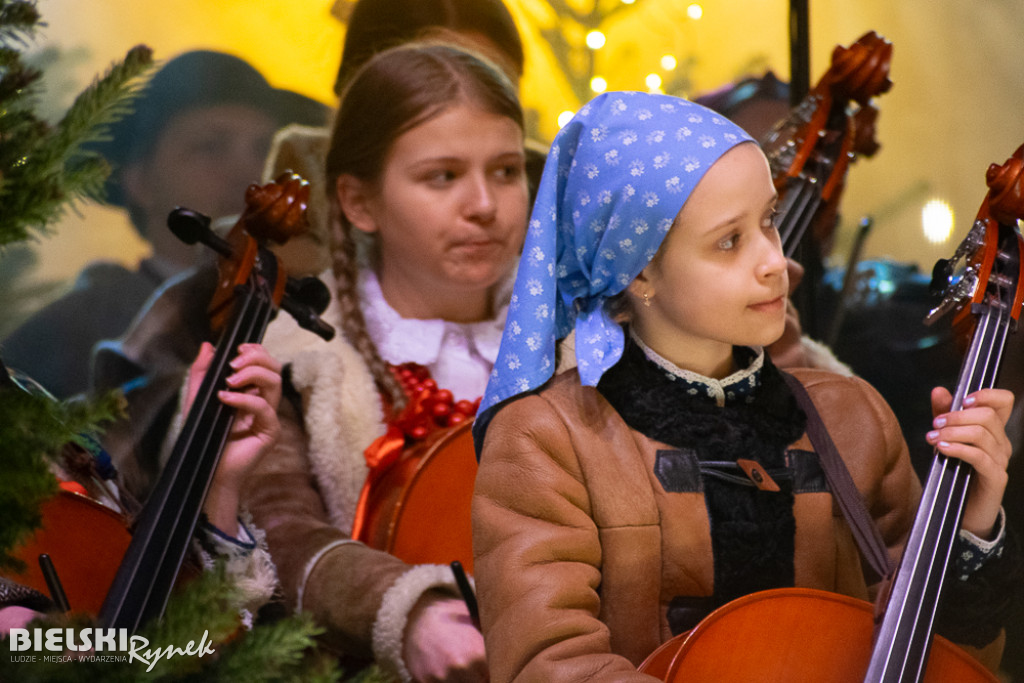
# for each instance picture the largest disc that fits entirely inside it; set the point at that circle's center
(85, 540)
(792, 635)
(419, 508)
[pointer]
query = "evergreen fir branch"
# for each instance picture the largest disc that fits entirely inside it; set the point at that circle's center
(22, 211)
(87, 119)
(8, 56)
(108, 99)
(273, 652)
(321, 667)
(205, 605)
(18, 20)
(86, 179)
(15, 79)
(46, 168)
(85, 418)
(28, 429)
(34, 428)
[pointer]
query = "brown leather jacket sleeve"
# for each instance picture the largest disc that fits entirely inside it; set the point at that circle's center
(321, 570)
(538, 555)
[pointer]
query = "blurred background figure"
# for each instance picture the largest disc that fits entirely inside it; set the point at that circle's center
(754, 103)
(197, 137)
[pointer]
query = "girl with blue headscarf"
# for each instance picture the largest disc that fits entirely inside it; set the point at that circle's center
(670, 471)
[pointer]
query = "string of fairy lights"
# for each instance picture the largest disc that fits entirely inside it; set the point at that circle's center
(937, 216)
(596, 40)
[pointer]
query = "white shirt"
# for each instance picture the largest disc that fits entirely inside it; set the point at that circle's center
(459, 355)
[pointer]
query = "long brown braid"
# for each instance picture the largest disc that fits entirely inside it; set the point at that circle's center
(392, 93)
(346, 273)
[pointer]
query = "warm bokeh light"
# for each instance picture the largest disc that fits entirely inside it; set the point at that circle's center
(695, 11)
(669, 62)
(628, 2)
(565, 117)
(937, 221)
(595, 40)
(598, 84)
(653, 82)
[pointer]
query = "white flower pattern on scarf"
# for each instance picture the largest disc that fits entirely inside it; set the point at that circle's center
(615, 179)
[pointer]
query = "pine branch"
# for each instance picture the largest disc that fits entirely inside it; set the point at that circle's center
(42, 169)
(18, 21)
(105, 101)
(35, 427)
(273, 652)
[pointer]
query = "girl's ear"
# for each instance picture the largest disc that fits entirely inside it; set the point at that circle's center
(641, 286)
(354, 198)
(637, 293)
(636, 287)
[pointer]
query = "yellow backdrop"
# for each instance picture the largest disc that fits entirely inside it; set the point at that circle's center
(955, 107)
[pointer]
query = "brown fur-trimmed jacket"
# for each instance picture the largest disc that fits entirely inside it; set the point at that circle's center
(578, 549)
(304, 495)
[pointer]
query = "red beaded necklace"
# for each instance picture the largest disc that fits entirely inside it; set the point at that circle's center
(428, 408)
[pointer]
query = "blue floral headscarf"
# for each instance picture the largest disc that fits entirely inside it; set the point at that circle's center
(616, 177)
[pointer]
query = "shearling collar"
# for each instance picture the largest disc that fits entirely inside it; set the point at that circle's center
(341, 407)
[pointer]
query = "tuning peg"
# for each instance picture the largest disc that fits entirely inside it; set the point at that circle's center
(310, 291)
(942, 276)
(191, 226)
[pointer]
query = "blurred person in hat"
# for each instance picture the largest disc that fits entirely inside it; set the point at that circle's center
(197, 137)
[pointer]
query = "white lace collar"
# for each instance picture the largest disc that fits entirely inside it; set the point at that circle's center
(738, 383)
(403, 340)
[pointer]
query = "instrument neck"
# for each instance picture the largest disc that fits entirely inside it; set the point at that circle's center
(904, 636)
(168, 519)
(800, 203)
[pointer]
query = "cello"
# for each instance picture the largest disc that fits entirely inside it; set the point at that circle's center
(421, 478)
(134, 583)
(794, 634)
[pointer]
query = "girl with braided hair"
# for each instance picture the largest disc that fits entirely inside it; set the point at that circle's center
(429, 203)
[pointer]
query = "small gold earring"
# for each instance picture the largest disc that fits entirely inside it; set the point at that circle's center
(647, 299)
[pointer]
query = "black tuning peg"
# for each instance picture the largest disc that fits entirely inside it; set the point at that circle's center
(310, 291)
(942, 274)
(191, 226)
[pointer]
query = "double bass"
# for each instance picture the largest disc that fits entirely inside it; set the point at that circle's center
(124, 575)
(795, 634)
